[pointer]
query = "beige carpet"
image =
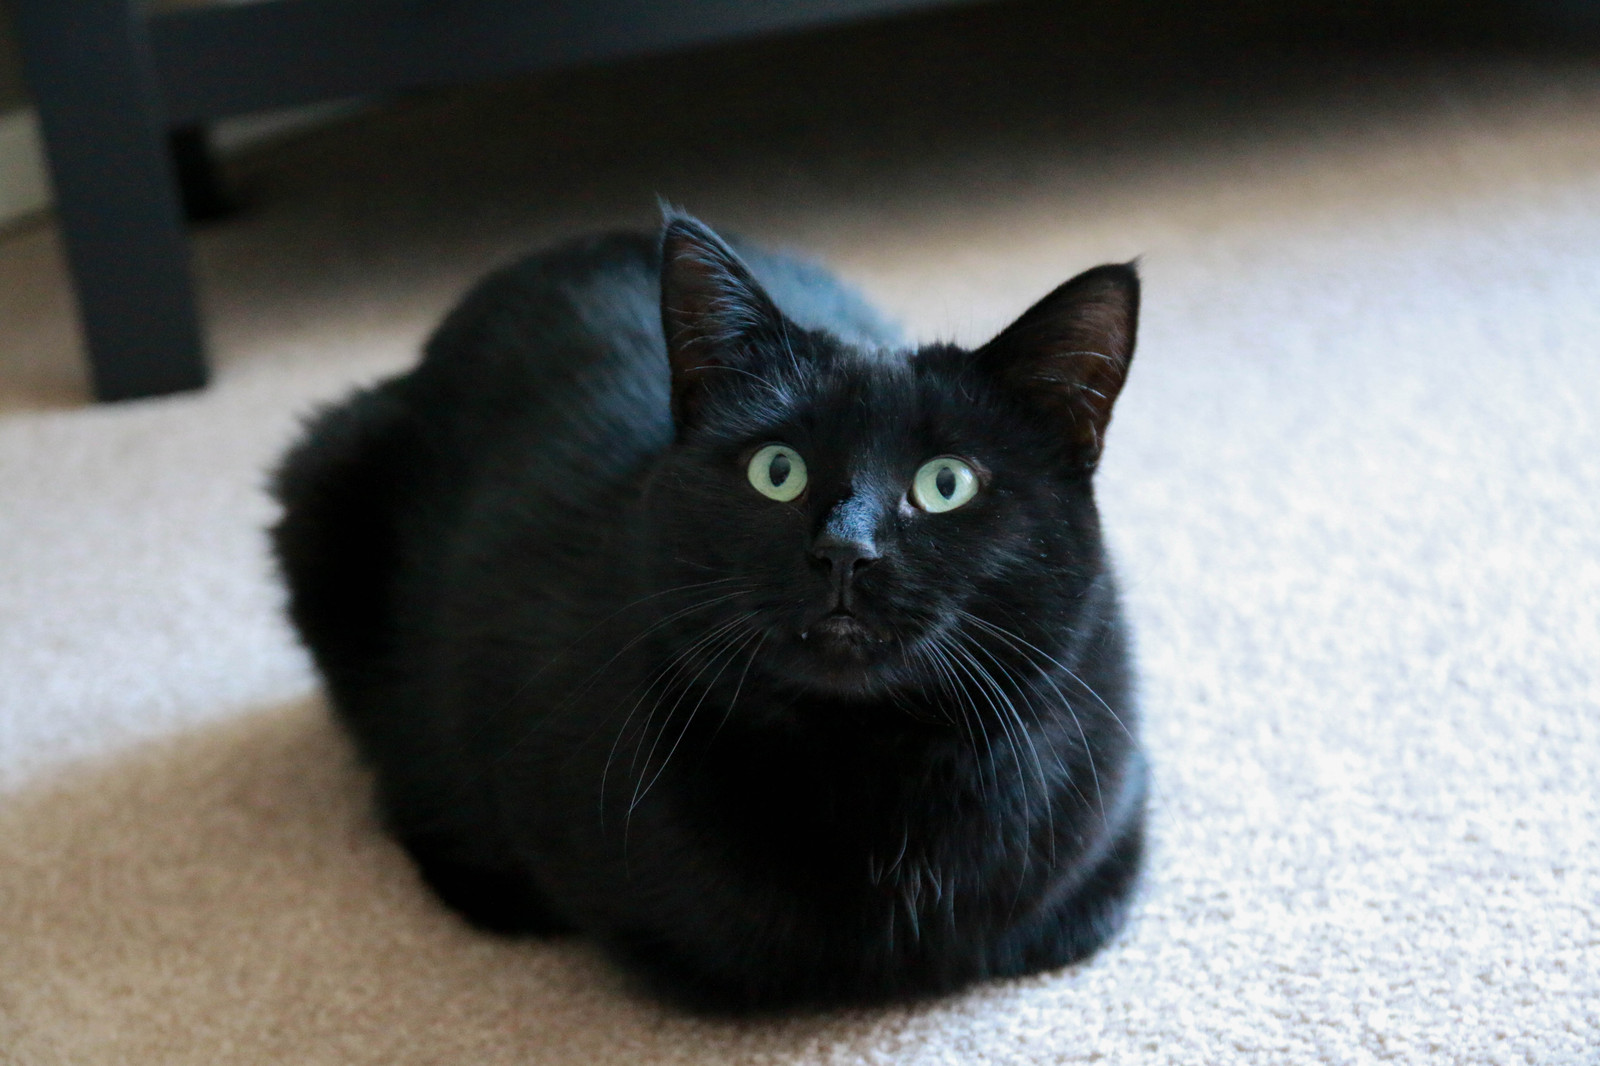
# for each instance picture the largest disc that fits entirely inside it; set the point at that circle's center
(1354, 483)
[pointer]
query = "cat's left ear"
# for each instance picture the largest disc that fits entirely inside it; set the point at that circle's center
(1068, 354)
(714, 314)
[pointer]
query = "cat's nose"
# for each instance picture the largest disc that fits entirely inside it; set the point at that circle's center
(845, 543)
(845, 556)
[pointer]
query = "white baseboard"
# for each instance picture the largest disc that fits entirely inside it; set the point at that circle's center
(24, 183)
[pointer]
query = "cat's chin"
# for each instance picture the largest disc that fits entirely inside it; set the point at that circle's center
(843, 680)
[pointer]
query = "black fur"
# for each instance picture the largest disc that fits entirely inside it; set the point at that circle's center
(772, 754)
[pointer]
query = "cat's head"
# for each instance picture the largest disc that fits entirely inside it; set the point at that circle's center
(862, 509)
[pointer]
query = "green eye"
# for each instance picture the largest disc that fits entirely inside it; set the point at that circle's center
(943, 485)
(778, 472)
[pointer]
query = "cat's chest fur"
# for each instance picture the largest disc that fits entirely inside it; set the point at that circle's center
(897, 813)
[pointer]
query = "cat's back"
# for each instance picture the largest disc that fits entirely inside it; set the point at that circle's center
(379, 483)
(545, 358)
(573, 332)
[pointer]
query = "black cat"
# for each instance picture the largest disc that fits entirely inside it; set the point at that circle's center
(674, 603)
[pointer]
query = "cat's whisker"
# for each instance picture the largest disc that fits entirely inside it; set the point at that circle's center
(1033, 748)
(731, 648)
(965, 700)
(536, 723)
(582, 687)
(666, 675)
(657, 625)
(1010, 704)
(949, 684)
(737, 689)
(1083, 735)
(679, 664)
(1007, 672)
(644, 687)
(724, 644)
(591, 631)
(964, 662)
(995, 698)
(1008, 635)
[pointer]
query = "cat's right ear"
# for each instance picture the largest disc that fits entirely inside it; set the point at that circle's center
(714, 314)
(1068, 355)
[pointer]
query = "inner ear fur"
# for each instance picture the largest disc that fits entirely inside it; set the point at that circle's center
(713, 311)
(1068, 354)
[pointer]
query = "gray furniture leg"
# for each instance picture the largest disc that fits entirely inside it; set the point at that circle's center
(201, 190)
(88, 63)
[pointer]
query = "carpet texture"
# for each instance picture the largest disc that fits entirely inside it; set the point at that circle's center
(1353, 484)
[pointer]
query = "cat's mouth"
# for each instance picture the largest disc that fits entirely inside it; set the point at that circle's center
(842, 634)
